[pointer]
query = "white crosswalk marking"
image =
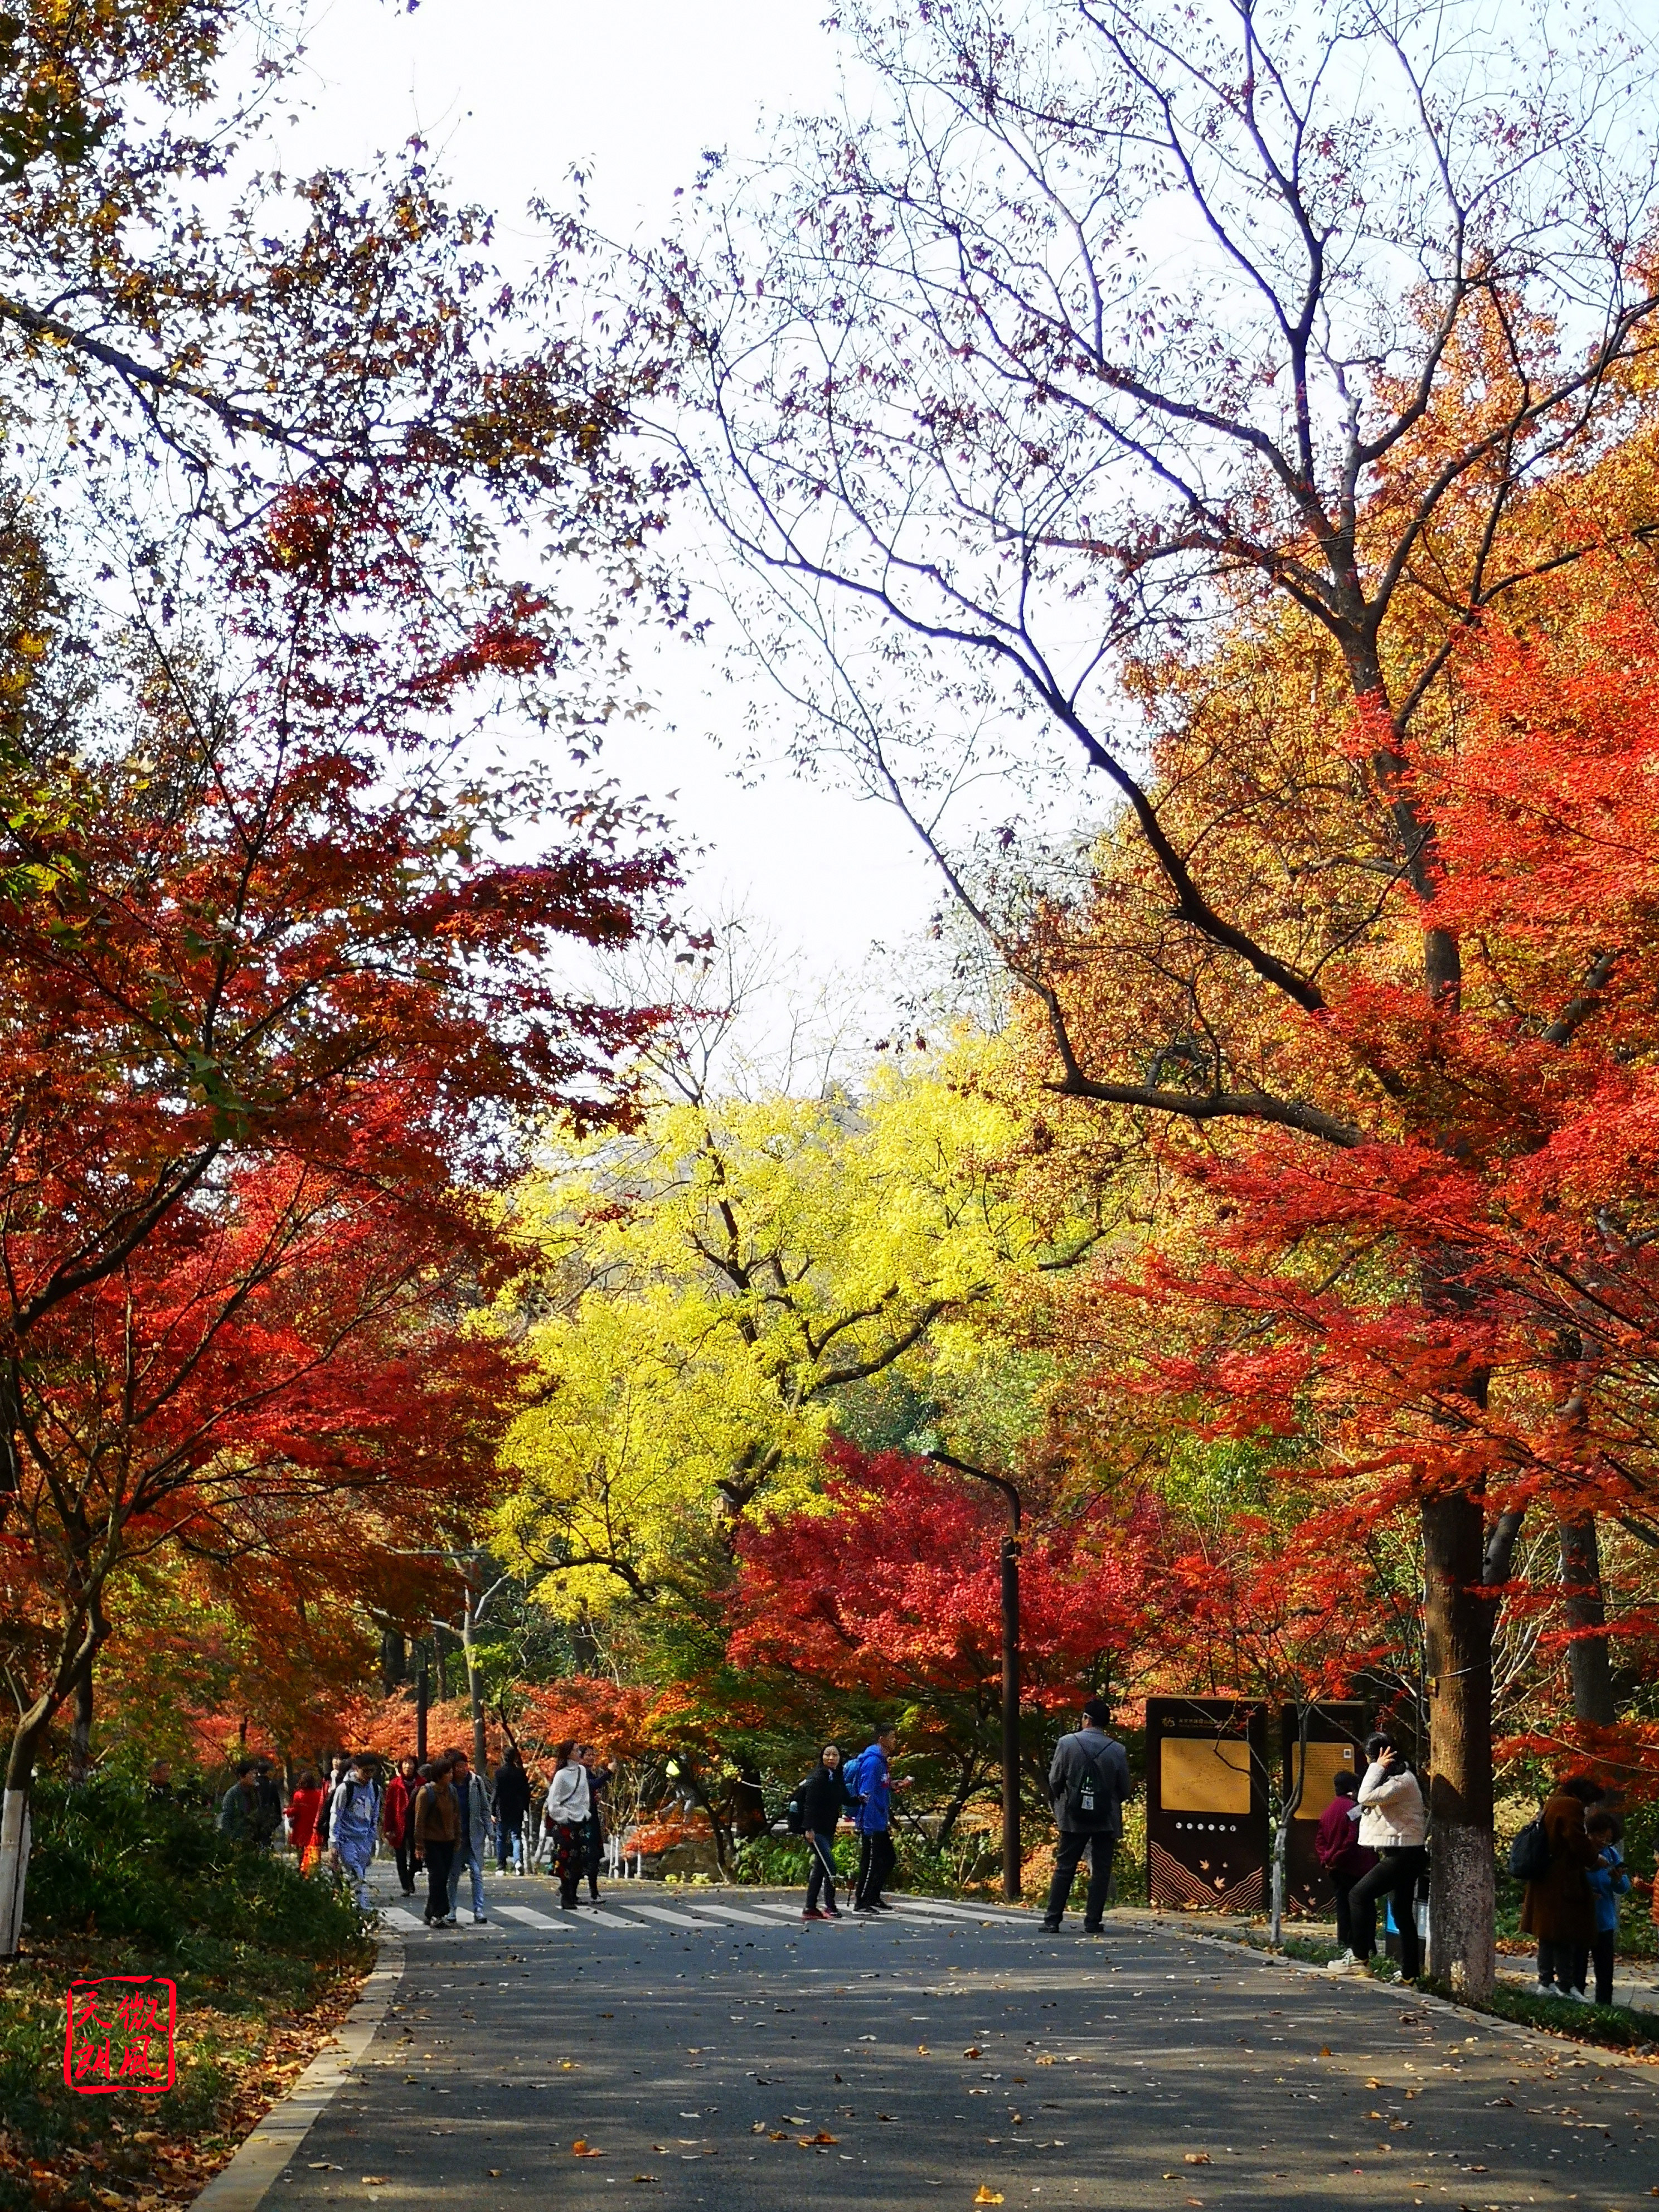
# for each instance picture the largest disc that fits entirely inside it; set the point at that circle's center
(761, 1919)
(935, 1908)
(533, 1919)
(674, 1919)
(606, 1920)
(395, 1917)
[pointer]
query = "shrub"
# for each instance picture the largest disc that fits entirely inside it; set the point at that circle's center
(112, 1859)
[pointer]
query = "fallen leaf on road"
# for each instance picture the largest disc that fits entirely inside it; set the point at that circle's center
(583, 2148)
(822, 2137)
(779, 2135)
(1324, 2050)
(973, 2052)
(1198, 2158)
(757, 2128)
(374, 2181)
(921, 2049)
(984, 2196)
(1375, 2084)
(645, 2177)
(495, 2172)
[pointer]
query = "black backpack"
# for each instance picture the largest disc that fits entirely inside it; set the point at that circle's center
(1092, 1798)
(1529, 1854)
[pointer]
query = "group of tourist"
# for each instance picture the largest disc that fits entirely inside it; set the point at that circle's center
(441, 1819)
(444, 1820)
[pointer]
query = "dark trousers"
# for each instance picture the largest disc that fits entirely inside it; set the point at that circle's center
(1074, 1842)
(593, 1852)
(1555, 1963)
(821, 1873)
(877, 1859)
(403, 1852)
(1601, 1951)
(1396, 1874)
(1343, 1884)
(438, 1859)
(507, 1834)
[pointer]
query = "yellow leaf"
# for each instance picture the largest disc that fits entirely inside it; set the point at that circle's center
(984, 2196)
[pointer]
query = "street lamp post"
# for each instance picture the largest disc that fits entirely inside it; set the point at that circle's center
(1010, 1545)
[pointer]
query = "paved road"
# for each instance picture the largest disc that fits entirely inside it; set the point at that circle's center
(917, 2060)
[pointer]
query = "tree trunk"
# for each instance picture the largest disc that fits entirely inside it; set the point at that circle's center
(474, 1687)
(80, 1742)
(1457, 1623)
(394, 1659)
(1588, 1655)
(15, 1822)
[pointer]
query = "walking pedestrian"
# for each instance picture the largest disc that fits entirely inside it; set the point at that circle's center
(870, 1780)
(353, 1826)
(473, 1845)
(269, 1792)
(1088, 1782)
(1607, 1883)
(305, 1810)
(397, 1819)
(819, 1805)
(1345, 1858)
(241, 1816)
(437, 1830)
(598, 1781)
(1556, 1908)
(562, 1818)
(1393, 1822)
(511, 1809)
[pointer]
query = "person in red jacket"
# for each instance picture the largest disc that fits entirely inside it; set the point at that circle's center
(1345, 1858)
(397, 1819)
(303, 1808)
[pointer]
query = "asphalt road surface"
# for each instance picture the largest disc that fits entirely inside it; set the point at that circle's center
(932, 2055)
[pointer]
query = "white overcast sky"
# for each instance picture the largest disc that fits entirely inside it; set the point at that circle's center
(511, 93)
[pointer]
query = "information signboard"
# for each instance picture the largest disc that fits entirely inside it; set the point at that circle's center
(1206, 1803)
(1334, 1738)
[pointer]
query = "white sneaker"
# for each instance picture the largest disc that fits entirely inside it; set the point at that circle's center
(1578, 1996)
(1545, 1989)
(1344, 1965)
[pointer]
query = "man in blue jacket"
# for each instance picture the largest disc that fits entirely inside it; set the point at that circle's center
(869, 1778)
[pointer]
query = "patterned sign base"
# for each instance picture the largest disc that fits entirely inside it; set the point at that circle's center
(1175, 1884)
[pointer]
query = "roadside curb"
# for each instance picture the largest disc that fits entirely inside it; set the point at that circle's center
(243, 2185)
(1535, 2038)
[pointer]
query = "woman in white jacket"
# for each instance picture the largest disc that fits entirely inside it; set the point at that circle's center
(564, 1818)
(1394, 1821)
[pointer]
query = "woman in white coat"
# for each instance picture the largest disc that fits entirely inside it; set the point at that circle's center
(564, 1820)
(1395, 1822)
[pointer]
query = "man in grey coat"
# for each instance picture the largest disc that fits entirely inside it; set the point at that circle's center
(1088, 1782)
(473, 1847)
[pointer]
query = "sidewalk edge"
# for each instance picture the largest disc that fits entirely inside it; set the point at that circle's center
(243, 2184)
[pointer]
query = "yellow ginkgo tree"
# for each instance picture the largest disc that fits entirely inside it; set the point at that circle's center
(711, 1291)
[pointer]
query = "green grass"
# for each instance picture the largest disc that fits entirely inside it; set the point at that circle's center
(1616, 2026)
(121, 1884)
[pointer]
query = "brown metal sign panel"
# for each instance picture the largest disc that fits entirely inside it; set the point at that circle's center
(1206, 1803)
(1333, 1736)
